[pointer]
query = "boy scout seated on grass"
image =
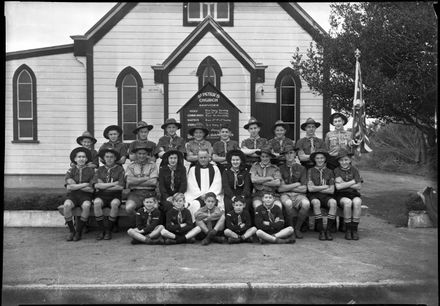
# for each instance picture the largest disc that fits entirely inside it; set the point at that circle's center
(141, 176)
(321, 188)
(293, 189)
(238, 223)
(211, 219)
(265, 176)
(78, 182)
(269, 222)
(109, 181)
(148, 225)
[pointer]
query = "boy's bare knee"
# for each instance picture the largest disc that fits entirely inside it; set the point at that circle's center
(86, 205)
(115, 204)
(332, 203)
(316, 203)
(68, 204)
(305, 204)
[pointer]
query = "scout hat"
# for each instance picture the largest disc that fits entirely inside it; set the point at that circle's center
(332, 116)
(112, 128)
(344, 153)
(280, 123)
(141, 146)
(167, 154)
(235, 153)
(289, 148)
(80, 149)
(252, 121)
(171, 121)
(266, 149)
(102, 152)
(312, 156)
(198, 126)
(310, 121)
(141, 125)
(86, 134)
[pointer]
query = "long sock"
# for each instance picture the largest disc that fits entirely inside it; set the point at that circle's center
(354, 224)
(100, 222)
(330, 222)
(70, 224)
(319, 224)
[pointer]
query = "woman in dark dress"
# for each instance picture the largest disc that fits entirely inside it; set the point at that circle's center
(236, 180)
(172, 178)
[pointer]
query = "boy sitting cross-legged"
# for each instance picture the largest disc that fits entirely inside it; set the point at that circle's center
(211, 219)
(179, 227)
(148, 225)
(270, 222)
(238, 223)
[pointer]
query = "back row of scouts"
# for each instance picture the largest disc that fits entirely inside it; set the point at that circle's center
(251, 172)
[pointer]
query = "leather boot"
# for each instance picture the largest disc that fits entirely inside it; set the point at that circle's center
(330, 225)
(348, 231)
(79, 228)
(354, 230)
(108, 229)
(71, 230)
(320, 228)
(100, 233)
(299, 223)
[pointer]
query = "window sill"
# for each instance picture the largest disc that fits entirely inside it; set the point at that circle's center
(25, 141)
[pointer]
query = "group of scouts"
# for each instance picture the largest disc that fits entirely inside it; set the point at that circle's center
(186, 191)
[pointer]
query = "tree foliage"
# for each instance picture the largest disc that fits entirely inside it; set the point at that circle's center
(398, 44)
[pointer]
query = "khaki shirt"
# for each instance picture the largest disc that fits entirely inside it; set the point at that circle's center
(270, 170)
(337, 140)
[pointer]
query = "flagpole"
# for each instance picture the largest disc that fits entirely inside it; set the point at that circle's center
(357, 54)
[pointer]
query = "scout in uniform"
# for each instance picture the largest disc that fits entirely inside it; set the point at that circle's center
(172, 178)
(238, 223)
(170, 141)
(222, 147)
(236, 180)
(141, 176)
(265, 176)
(337, 140)
(254, 143)
(321, 188)
(199, 133)
(78, 181)
(109, 181)
(87, 141)
(142, 130)
(293, 189)
(348, 183)
(113, 134)
(269, 222)
(310, 143)
(148, 225)
(280, 141)
(179, 227)
(211, 219)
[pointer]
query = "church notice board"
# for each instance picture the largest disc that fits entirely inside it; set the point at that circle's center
(211, 107)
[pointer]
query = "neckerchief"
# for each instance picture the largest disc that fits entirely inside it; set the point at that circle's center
(312, 143)
(80, 172)
(321, 173)
(280, 141)
(239, 220)
(114, 144)
(269, 213)
(255, 141)
(264, 167)
(235, 172)
(290, 170)
(179, 215)
(108, 178)
(171, 140)
(172, 176)
(225, 143)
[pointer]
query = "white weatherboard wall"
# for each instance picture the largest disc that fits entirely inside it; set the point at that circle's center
(61, 110)
(234, 83)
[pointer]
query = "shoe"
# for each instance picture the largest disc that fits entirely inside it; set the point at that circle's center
(354, 235)
(206, 241)
(233, 240)
(70, 236)
(328, 235)
(290, 240)
(191, 240)
(218, 239)
(342, 226)
(115, 228)
(77, 236)
(99, 235)
(298, 234)
(107, 235)
(252, 239)
(262, 241)
(348, 235)
(322, 236)
(134, 241)
(148, 240)
(170, 241)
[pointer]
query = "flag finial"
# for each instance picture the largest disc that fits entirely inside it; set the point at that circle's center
(357, 53)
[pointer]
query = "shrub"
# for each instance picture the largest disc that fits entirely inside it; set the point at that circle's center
(33, 201)
(414, 202)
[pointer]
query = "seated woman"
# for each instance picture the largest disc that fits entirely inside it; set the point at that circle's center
(236, 180)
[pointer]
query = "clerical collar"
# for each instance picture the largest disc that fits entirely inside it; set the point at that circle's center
(203, 167)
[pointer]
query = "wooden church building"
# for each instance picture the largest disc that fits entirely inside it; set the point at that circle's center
(146, 61)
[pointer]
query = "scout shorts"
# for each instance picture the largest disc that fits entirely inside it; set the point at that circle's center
(296, 198)
(78, 197)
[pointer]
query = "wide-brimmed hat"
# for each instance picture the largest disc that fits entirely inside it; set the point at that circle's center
(236, 153)
(180, 157)
(289, 148)
(198, 126)
(266, 149)
(344, 153)
(141, 125)
(86, 134)
(102, 152)
(252, 121)
(171, 121)
(280, 123)
(310, 121)
(325, 153)
(141, 146)
(332, 116)
(80, 149)
(111, 128)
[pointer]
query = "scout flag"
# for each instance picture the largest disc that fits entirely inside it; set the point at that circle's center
(359, 130)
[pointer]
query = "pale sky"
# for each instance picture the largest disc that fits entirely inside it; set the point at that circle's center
(32, 25)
